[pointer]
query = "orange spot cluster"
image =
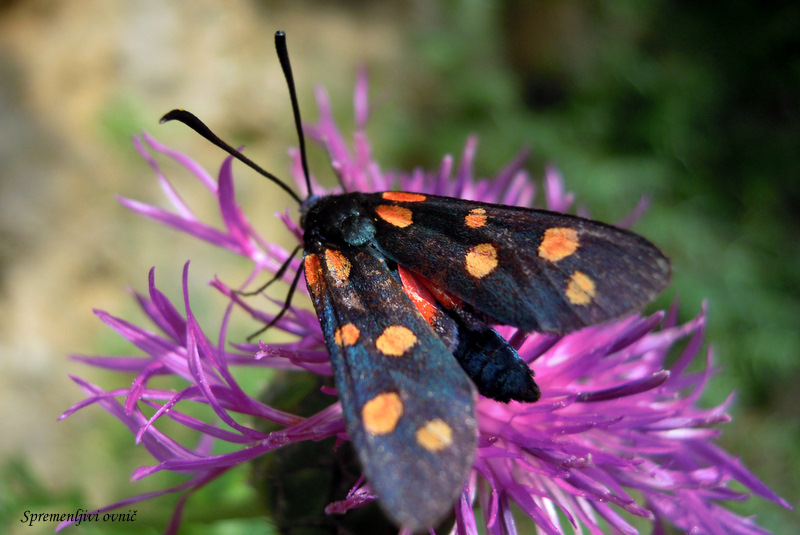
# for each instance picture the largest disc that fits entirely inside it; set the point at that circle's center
(435, 435)
(395, 340)
(481, 260)
(580, 289)
(476, 218)
(346, 335)
(558, 243)
(338, 265)
(394, 215)
(403, 196)
(381, 414)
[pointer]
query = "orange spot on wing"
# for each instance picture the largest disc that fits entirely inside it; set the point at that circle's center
(339, 266)
(381, 414)
(435, 435)
(394, 215)
(395, 340)
(402, 196)
(481, 260)
(580, 289)
(312, 271)
(558, 243)
(346, 335)
(476, 218)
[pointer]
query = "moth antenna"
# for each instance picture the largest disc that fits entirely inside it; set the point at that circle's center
(283, 56)
(278, 274)
(190, 120)
(286, 306)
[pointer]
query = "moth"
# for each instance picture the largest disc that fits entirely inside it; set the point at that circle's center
(407, 286)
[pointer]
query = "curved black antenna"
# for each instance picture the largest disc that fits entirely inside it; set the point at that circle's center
(283, 56)
(190, 120)
(278, 274)
(286, 306)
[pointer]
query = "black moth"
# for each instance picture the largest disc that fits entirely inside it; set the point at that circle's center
(402, 282)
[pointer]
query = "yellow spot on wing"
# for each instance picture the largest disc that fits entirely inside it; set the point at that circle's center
(394, 215)
(435, 435)
(580, 289)
(395, 340)
(346, 335)
(481, 260)
(381, 413)
(558, 243)
(338, 265)
(476, 218)
(402, 196)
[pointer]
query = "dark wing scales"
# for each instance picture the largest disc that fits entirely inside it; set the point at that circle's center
(408, 407)
(494, 366)
(619, 272)
(533, 269)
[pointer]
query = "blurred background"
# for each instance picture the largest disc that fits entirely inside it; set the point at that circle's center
(692, 104)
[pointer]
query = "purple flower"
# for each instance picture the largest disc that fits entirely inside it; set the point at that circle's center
(616, 430)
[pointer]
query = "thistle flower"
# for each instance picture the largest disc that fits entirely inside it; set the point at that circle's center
(616, 431)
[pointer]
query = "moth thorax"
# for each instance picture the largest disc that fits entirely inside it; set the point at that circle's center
(358, 230)
(338, 219)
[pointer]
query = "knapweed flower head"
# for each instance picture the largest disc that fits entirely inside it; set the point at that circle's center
(617, 434)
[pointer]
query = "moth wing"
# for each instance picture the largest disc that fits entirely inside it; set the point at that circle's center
(533, 269)
(408, 406)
